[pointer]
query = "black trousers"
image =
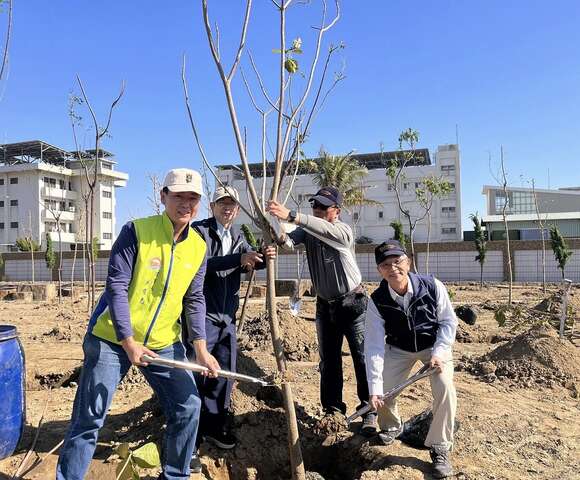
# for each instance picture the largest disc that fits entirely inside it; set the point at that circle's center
(336, 320)
(215, 393)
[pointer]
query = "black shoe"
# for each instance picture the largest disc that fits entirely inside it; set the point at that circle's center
(222, 439)
(387, 437)
(441, 465)
(369, 424)
(195, 463)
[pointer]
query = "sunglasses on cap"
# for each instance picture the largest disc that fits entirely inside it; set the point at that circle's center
(318, 206)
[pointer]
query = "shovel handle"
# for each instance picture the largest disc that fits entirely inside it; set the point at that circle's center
(194, 367)
(424, 371)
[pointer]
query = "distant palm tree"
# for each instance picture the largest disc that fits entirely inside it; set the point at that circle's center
(344, 173)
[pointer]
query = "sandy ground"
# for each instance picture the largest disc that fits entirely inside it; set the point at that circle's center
(518, 393)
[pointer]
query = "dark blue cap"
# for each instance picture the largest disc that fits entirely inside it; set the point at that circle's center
(327, 196)
(390, 248)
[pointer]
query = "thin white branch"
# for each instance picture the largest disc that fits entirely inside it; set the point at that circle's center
(7, 42)
(198, 141)
(242, 40)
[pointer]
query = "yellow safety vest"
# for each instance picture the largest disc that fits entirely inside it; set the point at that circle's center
(162, 274)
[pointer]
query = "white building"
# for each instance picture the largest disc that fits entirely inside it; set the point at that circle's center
(373, 221)
(559, 207)
(42, 185)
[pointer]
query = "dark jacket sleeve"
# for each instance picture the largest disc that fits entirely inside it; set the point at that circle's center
(120, 272)
(194, 306)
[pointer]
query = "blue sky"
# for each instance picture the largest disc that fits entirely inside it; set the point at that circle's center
(506, 72)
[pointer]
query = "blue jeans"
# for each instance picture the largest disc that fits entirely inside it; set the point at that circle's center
(104, 366)
(336, 320)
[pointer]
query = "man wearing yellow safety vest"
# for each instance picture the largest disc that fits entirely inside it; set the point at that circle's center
(156, 272)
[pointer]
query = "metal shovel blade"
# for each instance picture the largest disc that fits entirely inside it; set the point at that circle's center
(294, 305)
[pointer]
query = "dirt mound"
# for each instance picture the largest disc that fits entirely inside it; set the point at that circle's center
(470, 334)
(536, 356)
(299, 337)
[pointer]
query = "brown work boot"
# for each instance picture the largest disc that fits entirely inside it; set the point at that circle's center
(441, 465)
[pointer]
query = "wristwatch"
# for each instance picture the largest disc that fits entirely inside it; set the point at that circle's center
(292, 214)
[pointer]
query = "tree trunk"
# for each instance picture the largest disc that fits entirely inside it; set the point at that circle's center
(481, 276)
(296, 461)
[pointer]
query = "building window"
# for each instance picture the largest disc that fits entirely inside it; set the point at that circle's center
(447, 168)
(381, 215)
(447, 230)
(62, 184)
(452, 186)
(448, 211)
(107, 194)
(107, 236)
(62, 206)
(107, 215)
(1, 225)
(50, 182)
(355, 216)
(14, 181)
(417, 184)
(106, 166)
(1, 203)
(13, 224)
(1, 181)
(70, 186)
(13, 203)
(390, 187)
(405, 186)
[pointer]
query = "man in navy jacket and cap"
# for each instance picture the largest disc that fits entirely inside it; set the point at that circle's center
(410, 318)
(228, 256)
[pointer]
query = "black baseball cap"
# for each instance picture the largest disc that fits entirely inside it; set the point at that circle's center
(327, 196)
(390, 248)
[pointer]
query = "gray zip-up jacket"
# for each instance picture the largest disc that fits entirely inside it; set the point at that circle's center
(330, 252)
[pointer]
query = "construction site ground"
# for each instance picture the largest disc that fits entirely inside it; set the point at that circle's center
(518, 390)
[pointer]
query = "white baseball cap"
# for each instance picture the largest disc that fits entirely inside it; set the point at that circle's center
(183, 180)
(223, 192)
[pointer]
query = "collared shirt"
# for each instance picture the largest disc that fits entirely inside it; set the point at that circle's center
(375, 333)
(403, 300)
(225, 237)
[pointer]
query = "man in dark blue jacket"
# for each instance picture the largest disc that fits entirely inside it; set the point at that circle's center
(228, 256)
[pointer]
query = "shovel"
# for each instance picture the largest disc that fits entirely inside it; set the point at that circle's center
(423, 372)
(194, 367)
(294, 303)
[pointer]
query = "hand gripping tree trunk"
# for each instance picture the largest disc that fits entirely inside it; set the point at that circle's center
(294, 113)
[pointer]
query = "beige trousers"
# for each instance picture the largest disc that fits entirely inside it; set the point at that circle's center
(397, 367)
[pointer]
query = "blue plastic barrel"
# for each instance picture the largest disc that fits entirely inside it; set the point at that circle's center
(12, 396)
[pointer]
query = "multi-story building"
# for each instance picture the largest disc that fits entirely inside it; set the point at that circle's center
(373, 221)
(559, 207)
(42, 189)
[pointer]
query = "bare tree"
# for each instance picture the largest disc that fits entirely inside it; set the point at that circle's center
(542, 227)
(91, 165)
(56, 213)
(501, 178)
(293, 115)
(5, 57)
(423, 197)
(155, 198)
(431, 187)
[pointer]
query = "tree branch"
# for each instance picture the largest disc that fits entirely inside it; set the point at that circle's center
(7, 42)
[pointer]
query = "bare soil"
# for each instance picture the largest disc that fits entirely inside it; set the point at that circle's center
(518, 392)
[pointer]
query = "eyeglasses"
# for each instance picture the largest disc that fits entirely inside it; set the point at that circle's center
(396, 264)
(318, 206)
